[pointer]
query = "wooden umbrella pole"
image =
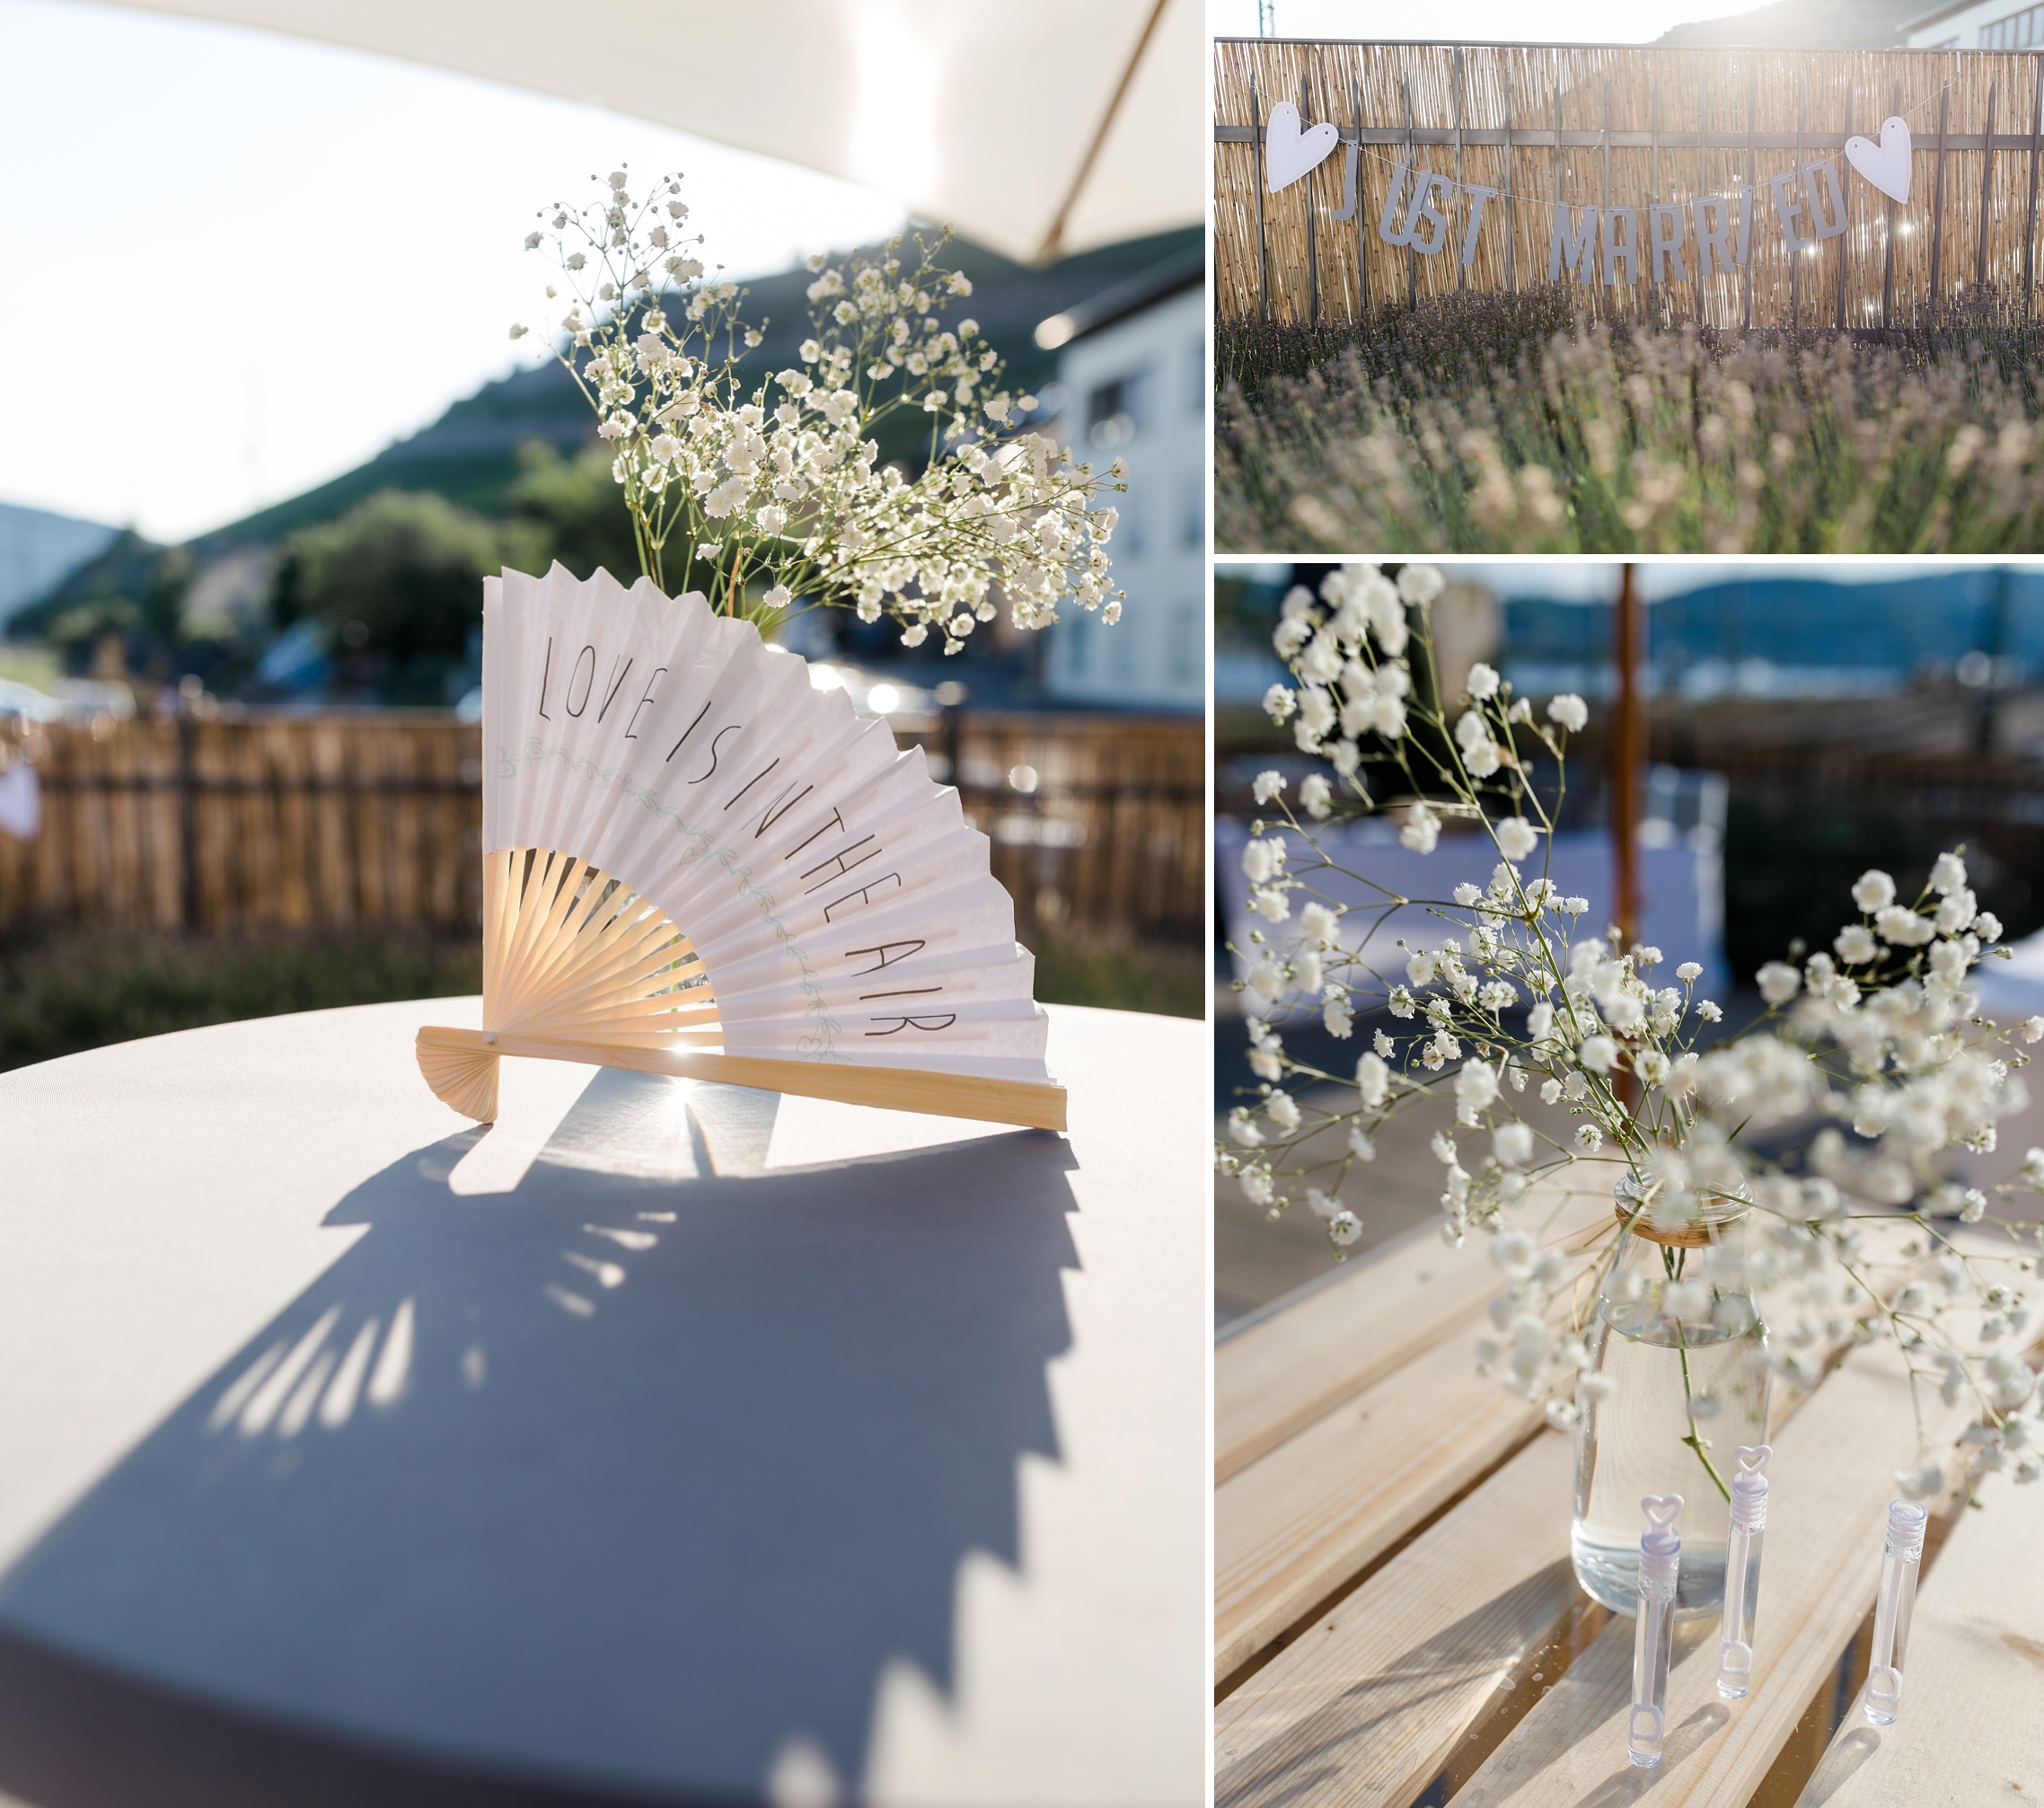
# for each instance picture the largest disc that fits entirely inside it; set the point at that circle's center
(1628, 750)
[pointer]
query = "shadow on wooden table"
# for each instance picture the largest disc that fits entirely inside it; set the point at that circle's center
(635, 1479)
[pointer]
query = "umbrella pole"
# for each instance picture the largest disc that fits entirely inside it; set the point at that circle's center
(1628, 749)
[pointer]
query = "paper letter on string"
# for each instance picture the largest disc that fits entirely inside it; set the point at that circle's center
(1478, 195)
(1665, 233)
(1347, 210)
(1572, 241)
(1424, 214)
(1828, 211)
(1626, 248)
(1388, 227)
(1789, 208)
(1712, 214)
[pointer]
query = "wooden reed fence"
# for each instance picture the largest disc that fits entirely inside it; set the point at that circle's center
(1097, 822)
(1600, 125)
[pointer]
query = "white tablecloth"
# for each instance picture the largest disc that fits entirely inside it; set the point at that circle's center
(700, 1442)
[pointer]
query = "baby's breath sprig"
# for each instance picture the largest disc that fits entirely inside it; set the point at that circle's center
(773, 484)
(1881, 1033)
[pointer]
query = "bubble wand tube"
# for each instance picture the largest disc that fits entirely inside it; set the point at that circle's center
(1900, 1561)
(1653, 1637)
(1743, 1571)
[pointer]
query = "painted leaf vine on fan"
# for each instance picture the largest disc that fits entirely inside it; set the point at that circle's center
(768, 492)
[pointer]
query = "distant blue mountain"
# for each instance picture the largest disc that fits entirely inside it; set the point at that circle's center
(37, 550)
(1897, 627)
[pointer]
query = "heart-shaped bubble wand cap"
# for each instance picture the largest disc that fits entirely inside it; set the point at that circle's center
(1749, 1487)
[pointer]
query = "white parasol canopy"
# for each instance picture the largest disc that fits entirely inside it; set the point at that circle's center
(1036, 128)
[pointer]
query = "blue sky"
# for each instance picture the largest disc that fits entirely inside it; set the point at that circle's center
(234, 265)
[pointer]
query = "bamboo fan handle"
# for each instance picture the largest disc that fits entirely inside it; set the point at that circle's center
(460, 1067)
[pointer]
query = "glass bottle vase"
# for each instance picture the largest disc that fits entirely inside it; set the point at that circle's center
(1684, 1378)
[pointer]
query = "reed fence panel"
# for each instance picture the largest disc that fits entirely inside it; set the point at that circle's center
(1623, 125)
(1098, 823)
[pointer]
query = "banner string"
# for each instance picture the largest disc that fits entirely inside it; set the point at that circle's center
(1391, 162)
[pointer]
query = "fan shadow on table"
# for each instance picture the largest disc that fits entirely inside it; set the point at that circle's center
(635, 1477)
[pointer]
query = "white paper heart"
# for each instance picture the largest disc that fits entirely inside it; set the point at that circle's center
(1291, 152)
(1885, 164)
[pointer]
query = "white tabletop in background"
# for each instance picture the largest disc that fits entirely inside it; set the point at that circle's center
(877, 1470)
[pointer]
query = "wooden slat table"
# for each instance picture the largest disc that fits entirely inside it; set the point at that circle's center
(1396, 1621)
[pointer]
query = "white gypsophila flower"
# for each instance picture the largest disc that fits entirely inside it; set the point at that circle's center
(1873, 890)
(1948, 873)
(1339, 1016)
(1382, 1043)
(1320, 1204)
(1278, 701)
(1320, 924)
(1282, 1110)
(1778, 982)
(1263, 858)
(1517, 838)
(1372, 1080)
(1926, 1479)
(1568, 711)
(1856, 945)
(1314, 793)
(1987, 926)
(1360, 1146)
(1422, 831)
(1689, 973)
(785, 464)
(1512, 1144)
(1483, 682)
(1901, 926)
(1343, 1228)
(1600, 1053)
(1418, 585)
(1475, 1090)
(1588, 1138)
(1268, 787)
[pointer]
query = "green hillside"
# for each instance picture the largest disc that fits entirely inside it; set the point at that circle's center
(470, 454)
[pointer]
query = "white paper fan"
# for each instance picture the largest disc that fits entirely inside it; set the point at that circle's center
(697, 862)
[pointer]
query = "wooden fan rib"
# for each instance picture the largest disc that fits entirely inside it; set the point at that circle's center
(585, 952)
(532, 884)
(550, 898)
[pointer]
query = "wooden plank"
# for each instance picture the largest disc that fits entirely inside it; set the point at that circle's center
(1365, 1706)
(1969, 1730)
(1291, 1528)
(1276, 1378)
(1833, 1475)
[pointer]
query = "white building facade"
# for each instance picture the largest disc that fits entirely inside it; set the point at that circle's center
(1133, 373)
(1977, 25)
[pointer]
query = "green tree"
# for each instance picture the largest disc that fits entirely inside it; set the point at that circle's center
(400, 576)
(577, 507)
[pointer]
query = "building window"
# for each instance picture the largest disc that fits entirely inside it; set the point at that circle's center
(2018, 31)
(1117, 411)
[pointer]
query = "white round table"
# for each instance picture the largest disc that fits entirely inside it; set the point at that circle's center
(663, 1441)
